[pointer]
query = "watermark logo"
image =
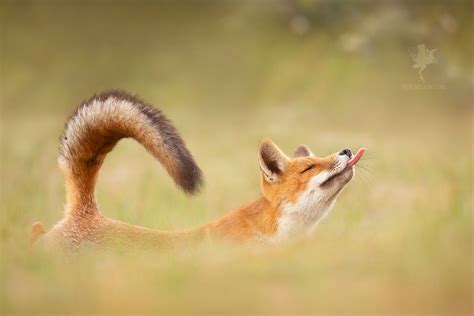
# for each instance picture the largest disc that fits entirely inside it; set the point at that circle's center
(423, 58)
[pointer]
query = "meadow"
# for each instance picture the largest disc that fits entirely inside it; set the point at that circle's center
(399, 239)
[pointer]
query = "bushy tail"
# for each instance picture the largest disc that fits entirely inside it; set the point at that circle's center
(98, 124)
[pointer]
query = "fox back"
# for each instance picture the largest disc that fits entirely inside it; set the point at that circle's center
(295, 192)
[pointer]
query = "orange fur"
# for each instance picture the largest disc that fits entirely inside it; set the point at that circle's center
(97, 126)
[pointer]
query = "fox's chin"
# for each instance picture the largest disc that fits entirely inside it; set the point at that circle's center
(341, 178)
(334, 185)
(346, 175)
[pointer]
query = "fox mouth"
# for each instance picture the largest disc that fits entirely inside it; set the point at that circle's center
(354, 160)
(350, 163)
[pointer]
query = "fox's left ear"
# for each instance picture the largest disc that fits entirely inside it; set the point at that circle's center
(302, 151)
(272, 160)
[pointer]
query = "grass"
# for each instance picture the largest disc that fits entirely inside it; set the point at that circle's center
(399, 240)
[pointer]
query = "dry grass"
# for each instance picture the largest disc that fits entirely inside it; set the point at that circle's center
(399, 240)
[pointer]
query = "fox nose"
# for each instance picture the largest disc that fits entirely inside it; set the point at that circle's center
(346, 152)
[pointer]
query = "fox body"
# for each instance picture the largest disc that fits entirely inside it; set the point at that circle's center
(295, 192)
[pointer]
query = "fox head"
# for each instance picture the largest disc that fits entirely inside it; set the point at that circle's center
(304, 187)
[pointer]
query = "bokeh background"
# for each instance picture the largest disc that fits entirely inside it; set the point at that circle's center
(331, 74)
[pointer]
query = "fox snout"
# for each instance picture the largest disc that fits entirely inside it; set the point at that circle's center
(346, 152)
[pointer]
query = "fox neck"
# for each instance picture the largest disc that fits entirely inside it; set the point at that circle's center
(302, 216)
(264, 221)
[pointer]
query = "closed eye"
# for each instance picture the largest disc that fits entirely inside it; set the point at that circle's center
(308, 168)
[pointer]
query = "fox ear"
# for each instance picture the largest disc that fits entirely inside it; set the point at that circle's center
(272, 160)
(302, 151)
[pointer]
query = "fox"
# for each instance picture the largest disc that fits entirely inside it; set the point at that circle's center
(296, 192)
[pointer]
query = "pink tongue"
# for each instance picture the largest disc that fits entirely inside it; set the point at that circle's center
(356, 158)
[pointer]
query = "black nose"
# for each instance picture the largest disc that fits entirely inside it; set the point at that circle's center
(346, 152)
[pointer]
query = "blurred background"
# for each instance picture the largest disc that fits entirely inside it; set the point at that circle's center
(330, 74)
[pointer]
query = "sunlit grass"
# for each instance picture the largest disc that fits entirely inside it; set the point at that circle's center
(399, 239)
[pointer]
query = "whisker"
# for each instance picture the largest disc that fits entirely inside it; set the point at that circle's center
(361, 164)
(370, 153)
(365, 168)
(364, 178)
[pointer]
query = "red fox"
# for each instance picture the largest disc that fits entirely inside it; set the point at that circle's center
(296, 192)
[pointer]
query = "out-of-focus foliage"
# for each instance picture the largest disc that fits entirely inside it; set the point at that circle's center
(331, 74)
